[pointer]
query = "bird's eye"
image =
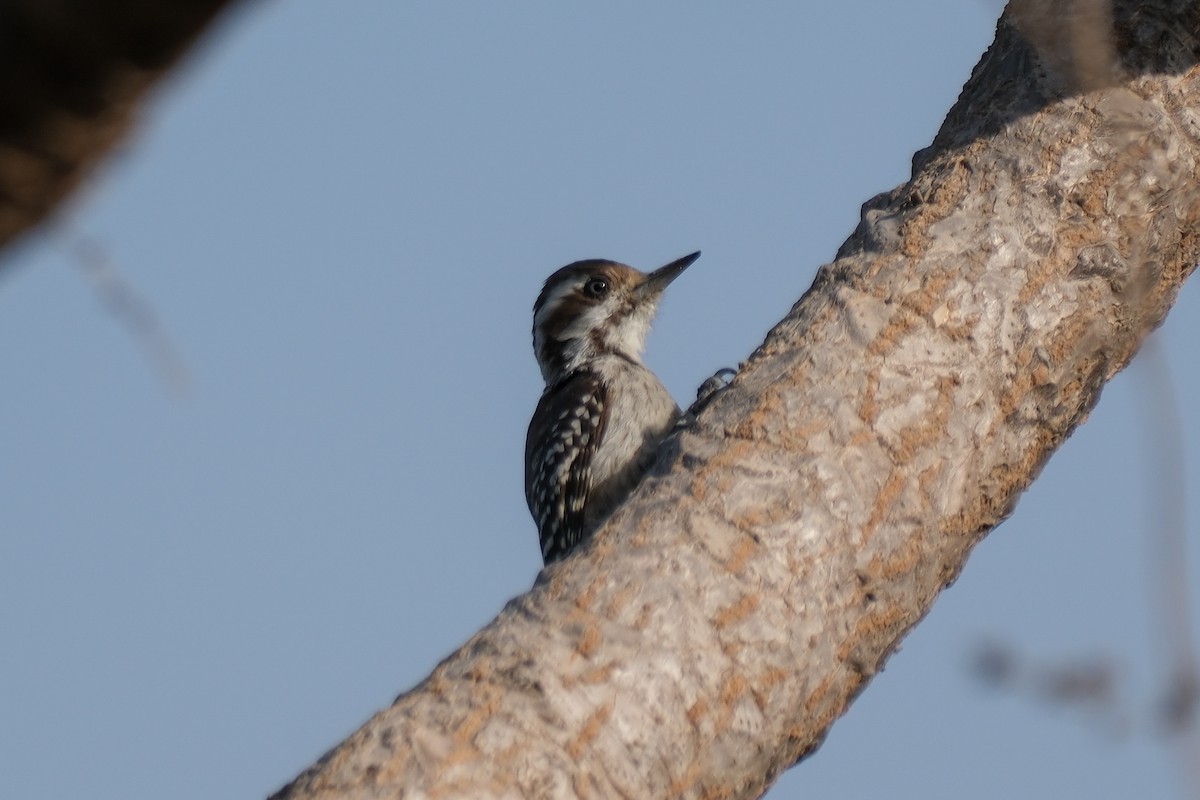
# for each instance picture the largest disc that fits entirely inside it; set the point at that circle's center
(596, 287)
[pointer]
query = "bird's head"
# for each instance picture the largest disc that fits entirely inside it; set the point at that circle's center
(597, 307)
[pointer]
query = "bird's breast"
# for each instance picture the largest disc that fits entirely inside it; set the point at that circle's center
(641, 412)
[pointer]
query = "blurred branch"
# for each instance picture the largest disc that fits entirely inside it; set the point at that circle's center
(1089, 684)
(1092, 683)
(1073, 38)
(1166, 489)
(72, 75)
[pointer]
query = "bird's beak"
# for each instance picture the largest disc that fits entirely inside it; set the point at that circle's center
(659, 279)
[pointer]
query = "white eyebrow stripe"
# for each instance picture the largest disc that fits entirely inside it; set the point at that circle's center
(553, 300)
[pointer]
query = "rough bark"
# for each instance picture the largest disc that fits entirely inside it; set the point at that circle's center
(72, 73)
(732, 609)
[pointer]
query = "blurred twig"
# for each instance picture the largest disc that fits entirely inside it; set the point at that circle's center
(1089, 684)
(1073, 38)
(1165, 476)
(133, 311)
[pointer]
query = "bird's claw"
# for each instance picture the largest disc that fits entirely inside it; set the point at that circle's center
(719, 380)
(704, 395)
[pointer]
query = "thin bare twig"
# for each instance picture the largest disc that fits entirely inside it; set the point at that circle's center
(133, 311)
(1165, 476)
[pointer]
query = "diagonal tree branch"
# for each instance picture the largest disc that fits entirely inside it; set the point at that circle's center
(72, 73)
(789, 538)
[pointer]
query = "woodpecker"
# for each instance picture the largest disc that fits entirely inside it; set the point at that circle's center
(602, 413)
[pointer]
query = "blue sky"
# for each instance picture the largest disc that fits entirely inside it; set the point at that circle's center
(341, 221)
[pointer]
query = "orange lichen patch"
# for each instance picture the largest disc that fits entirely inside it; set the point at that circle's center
(733, 689)
(869, 408)
(932, 426)
(1039, 375)
(595, 675)
(802, 742)
(900, 562)
(507, 754)
(743, 608)
(848, 646)
(642, 535)
(772, 677)
(603, 546)
(646, 524)
(557, 587)
(481, 670)
(960, 331)
(619, 600)
(1002, 480)
(1071, 238)
(731, 692)
(1074, 386)
(584, 600)
(1008, 400)
(680, 786)
(854, 680)
(1021, 359)
(883, 501)
(396, 764)
(589, 642)
(901, 323)
(751, 427)
(436, 684)
(820, 694)
(735, 451)
(870, 626)
(455, 788)
(724, 483)
(915, 238)
(861, 437)
(591, 727)
(1041, 271)
(345, 752)
(741, 554)
(459, 755)
(931, 293)
(764, 682)
(774, 408)
(1074, 330)
(643, 618)
(696, 711)
(795, 440)
(762, 516)
(799, 436)
(938, 198)
(929, 478)
(721, 791)
(478, 716)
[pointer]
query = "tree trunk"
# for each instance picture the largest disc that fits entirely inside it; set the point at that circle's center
(730, 611)
(72, 73)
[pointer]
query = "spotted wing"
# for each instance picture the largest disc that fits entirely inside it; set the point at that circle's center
(563, 437)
